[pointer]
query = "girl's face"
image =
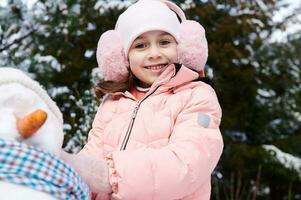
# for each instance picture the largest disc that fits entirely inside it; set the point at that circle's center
(150, 54)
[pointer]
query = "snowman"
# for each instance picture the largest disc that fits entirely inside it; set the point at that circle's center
(31, 138)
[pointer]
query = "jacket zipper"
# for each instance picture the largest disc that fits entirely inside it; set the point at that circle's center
(134, 114)
(127, 135)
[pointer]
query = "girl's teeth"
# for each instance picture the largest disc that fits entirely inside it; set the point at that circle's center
(155, 67)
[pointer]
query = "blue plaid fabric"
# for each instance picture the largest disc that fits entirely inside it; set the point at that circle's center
(37, 169)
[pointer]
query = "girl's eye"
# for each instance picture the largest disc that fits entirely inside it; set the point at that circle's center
(164, 42)
(140, 46)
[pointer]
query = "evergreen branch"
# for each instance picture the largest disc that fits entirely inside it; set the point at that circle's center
(17, 41)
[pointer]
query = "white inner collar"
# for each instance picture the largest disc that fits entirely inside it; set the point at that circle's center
(141, 89)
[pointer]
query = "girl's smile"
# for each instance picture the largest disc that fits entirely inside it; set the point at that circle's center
(155, 67)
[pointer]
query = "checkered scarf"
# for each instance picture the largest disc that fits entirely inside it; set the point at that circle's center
(37, 169)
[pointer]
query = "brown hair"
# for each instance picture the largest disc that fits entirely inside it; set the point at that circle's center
(108, 87)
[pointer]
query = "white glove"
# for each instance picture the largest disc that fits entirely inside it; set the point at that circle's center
(95, 172)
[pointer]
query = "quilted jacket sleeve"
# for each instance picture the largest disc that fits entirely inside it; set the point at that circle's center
(94, 148)
(180, 168)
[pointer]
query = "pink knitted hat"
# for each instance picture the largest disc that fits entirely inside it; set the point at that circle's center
(144, 16)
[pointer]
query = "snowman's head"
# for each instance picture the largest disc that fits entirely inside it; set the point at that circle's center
(20, 96)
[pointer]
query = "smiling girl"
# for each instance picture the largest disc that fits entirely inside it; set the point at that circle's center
(156, 134)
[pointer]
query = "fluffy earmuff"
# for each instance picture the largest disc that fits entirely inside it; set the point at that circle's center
(110, 56)
(192, 46)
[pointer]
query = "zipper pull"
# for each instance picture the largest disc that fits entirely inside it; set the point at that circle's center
(135, 110)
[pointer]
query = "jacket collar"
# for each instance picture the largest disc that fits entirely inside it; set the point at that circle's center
(184, 75)
(173, 77)
(170, 78)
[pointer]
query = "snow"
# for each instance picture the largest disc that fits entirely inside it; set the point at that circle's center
(293, 26)
(262, 5)
(102, 5)
(58, 91)
(89, 53)
(76, 9)
(266, 93)
(91, 26)
(96, 75)
(246, 11)
(287, 160)
(54, 63)
(257, 21)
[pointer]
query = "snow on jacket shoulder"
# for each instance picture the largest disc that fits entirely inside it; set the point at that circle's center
(174, 141)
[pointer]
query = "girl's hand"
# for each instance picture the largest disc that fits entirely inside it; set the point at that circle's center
(94, 172)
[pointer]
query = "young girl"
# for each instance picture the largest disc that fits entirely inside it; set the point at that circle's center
(156, 134)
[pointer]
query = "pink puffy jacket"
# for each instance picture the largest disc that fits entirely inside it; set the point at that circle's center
(163, 147)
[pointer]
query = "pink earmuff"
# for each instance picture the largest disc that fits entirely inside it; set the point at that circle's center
(110, 56)
(192, 45)
(192, 48)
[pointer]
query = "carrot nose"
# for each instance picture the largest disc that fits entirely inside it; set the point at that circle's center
(29, 124)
